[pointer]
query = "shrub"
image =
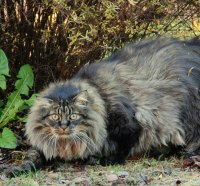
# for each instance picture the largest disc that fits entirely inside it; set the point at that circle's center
(57, 37)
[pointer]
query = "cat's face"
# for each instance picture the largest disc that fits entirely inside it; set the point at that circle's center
(65, 115)
(67, 122)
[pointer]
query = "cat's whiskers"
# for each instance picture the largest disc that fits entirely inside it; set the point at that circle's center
(44, 138)
(49, 136)
(51, 140)
(74, 140)
(55, 139)
(89, 143)
(84, 141)
(77, 140)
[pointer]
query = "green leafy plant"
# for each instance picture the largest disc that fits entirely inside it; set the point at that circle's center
(15, 102)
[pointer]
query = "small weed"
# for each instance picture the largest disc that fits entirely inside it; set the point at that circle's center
(15, 102)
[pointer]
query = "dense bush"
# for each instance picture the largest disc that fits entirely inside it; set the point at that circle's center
(56, 37)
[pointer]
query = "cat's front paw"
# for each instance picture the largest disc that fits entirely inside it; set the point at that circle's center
(111, 161)
(87, 161)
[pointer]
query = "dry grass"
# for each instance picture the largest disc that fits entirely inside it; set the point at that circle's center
(134, 172)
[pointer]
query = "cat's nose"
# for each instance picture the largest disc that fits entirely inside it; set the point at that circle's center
(63, 127)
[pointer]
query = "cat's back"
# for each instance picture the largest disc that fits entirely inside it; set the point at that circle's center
(162, 58)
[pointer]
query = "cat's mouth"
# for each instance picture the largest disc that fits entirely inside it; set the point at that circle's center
(61, 131)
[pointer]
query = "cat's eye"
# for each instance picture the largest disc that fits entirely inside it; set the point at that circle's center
(74, 117)
(54, 117)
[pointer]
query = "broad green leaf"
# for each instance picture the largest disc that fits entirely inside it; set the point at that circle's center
(26, 79)
(15, 103)
(8, 139)
(2, 82)
(4, 69)
(31, 100)
(12, 107)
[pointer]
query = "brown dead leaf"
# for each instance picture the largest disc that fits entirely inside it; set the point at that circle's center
(193, 161)
(134, 157)
(187, 162)
(150, 180)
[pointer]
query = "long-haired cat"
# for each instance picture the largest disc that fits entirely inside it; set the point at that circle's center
(144, 97)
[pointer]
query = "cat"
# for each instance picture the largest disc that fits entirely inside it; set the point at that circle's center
(143, 98)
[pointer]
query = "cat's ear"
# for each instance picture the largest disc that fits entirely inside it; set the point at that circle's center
(47, 100)
(81, 98)
(44, 102)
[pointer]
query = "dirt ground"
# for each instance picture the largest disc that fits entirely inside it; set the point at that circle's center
(169, 172)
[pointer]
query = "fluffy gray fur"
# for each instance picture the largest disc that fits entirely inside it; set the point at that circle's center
(158, 80)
